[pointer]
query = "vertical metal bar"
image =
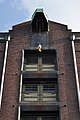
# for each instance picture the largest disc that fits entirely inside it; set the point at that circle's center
(22, 65)
(39, 64)
(22, 60)
(19, 110)
(40, 92)
(4, 68)
(76, 72)
(39, 118)
(20, 89)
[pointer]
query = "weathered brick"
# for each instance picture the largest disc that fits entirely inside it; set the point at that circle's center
(58, 39)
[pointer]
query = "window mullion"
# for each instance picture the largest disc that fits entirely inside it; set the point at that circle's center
(39, 118)
(39, 63)
(41, 92)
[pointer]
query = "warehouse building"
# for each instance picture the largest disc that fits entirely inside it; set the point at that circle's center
(40, 71)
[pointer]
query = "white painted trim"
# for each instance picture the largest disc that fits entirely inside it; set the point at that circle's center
(76, 73)
(77, 38)
(19, 109)
(2, 38)
(22, 65)
(20, 89)
(4, 68)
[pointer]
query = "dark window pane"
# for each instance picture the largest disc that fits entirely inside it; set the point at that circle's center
(31, 87)
(47, 59)
(49, 87)
(31, 60)
(49, 118)
(30, 93)
(39, 118)
(29, 118)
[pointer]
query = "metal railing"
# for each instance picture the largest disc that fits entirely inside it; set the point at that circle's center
(36, 67)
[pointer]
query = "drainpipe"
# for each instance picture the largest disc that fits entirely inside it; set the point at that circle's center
(75, 67)
(22, 65)
(4, 68)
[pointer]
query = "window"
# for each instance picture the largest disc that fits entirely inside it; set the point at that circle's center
(35, 61)
(40, 116)
(38, 65)
(38, 91)
(33, 92)
(30, 93)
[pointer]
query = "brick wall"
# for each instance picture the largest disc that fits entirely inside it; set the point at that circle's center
(20, 39)
(58, 39)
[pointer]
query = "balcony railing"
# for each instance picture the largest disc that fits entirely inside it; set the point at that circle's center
(34, 97)
(36, 67)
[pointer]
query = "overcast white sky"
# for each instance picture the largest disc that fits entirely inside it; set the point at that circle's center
(62, 11)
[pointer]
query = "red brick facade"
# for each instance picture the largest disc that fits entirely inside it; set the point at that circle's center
(59, 38)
